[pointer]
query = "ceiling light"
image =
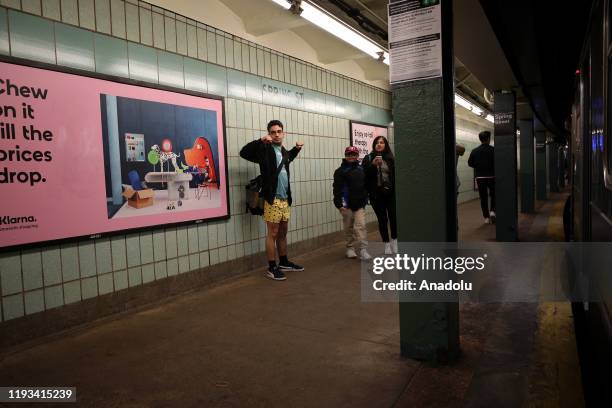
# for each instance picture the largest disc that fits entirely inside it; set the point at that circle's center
(475, 109)
(338, 29)
(283, 3)
(459, 100)
(335, 27)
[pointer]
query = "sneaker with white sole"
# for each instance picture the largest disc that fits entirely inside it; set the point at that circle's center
(364, 255)
(388, 248)
(276, 274)
(394, 246)
(493, 217)
(351, 254)
(291, 267)
(487, 220)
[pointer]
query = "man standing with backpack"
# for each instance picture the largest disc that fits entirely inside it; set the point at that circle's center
(273, 160)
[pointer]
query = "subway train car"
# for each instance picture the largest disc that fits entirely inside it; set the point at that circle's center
(590, 207)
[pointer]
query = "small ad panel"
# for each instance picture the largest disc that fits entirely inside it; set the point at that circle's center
(363, 135)
(83, 156)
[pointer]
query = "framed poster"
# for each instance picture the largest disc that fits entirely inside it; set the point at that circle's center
(84, 155)
(363, 135)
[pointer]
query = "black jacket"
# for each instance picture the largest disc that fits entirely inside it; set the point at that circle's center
(371, 172)
(482, 159)
(264, 155)
(349, 183)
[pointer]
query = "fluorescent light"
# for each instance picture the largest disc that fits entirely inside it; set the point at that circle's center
(475, 109)
(342, 31)
(283, 3)
(459, 100)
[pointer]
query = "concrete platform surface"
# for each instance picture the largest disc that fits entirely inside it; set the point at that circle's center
(307, 342)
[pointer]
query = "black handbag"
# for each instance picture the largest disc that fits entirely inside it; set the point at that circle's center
(254, 200)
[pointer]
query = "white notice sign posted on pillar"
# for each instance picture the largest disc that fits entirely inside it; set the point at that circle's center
(415, 44)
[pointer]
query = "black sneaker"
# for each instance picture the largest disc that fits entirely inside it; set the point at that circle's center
(290, 266)
(276, 274)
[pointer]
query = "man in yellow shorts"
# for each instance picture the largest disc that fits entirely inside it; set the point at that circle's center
(273, 160)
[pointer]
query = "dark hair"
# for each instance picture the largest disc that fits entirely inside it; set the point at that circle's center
(484, 136)
(387, 150)
(275, 123)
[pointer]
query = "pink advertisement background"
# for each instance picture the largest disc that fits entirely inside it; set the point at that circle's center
(73, 200)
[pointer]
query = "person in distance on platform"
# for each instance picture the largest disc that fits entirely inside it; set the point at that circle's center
(482, 159)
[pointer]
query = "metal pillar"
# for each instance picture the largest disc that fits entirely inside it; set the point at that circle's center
(505, 167)
(423, 115)
(540, 163)
(527, 166)
(553, 167)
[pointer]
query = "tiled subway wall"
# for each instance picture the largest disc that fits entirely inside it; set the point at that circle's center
(159, 47)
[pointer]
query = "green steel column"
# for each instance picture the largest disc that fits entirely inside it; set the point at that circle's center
(527, 166)
(541, 169)
(423, 115)
(506, 228)
(553, 167)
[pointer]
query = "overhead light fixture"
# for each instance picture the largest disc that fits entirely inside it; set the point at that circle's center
(327, 22)
(475, 109)
(283, 3)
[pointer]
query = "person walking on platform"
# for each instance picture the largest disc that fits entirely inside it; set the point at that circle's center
(379, 167)
(350, 198)
(482, 159)
(459, 151)
(273, 160)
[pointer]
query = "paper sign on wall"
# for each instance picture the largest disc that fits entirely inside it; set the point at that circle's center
(415, 43)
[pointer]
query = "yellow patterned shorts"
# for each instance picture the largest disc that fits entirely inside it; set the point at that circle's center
(277, 212)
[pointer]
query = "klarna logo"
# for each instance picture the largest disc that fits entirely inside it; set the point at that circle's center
(8, 220)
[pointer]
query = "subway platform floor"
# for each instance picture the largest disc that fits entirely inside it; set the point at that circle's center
(310, 341)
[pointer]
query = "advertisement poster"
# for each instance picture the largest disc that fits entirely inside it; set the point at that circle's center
(82, 156)
(363, 135)
(415, 44)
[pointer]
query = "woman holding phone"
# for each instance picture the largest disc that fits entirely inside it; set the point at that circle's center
(379, 167)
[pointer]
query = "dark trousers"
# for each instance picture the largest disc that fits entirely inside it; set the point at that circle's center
(384, 207)
(486, 187)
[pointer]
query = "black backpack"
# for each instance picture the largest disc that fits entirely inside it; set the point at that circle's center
(254, 200)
